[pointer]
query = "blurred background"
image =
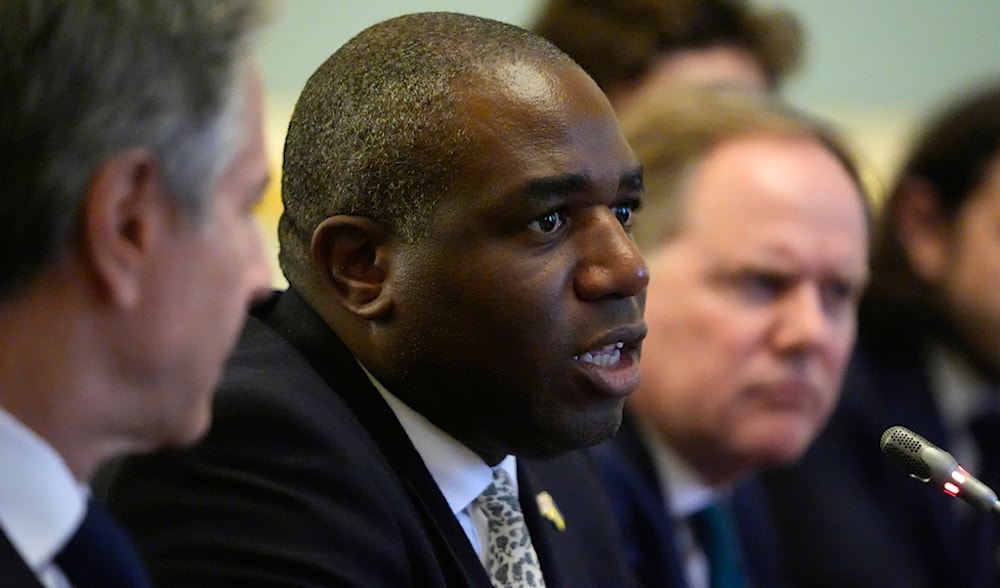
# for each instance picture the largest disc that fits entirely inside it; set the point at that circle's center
(872, 67)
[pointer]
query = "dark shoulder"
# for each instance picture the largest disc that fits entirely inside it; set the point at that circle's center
(287, 487)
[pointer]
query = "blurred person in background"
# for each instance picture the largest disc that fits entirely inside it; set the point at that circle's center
(637, 48)
(755, 229)
(133, 155)
(927, 358)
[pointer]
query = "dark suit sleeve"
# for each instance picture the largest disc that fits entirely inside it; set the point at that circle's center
(286, 490)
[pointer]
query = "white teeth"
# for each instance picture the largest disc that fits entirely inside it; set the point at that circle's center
(607, 356)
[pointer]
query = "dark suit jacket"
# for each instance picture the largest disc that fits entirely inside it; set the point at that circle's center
(14, 572)
(850, 517)
(308, 479)
(648, 529)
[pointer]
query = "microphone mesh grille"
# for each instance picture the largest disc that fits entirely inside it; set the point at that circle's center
(903, 447)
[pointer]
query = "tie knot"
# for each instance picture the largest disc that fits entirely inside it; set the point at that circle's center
(499, 501)
(500, 489)
(715, 531)
(714, 515)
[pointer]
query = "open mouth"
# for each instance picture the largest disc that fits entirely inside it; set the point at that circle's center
(611, 362)
(607, 356)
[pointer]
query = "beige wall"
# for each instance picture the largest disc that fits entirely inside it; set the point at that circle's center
(873, 67)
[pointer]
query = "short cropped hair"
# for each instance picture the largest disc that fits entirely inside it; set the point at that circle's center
(377, 131)
(81, 80)
(672, 134)
(615, 41)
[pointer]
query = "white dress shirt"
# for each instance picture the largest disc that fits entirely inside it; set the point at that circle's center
(41, 502)
(458, 471)
(684, 493)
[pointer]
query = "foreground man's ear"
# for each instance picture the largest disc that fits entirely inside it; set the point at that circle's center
(126, 211)
(353, 254)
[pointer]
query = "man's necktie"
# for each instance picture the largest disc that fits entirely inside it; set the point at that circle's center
(510, 558)
(100, 554)
(716, 533)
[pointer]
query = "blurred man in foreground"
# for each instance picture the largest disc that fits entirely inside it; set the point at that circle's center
(133, 155)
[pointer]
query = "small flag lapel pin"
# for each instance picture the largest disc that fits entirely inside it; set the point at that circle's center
(547, 507)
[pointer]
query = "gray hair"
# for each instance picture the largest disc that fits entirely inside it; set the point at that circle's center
(377, 131)
(83, 80)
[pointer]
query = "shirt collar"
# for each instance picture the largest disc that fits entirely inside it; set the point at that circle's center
(41, 502)
(958, 391)
(684, 491)
(459, 472)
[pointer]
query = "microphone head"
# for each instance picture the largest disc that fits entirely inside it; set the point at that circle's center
(904, 447)
(930, 464)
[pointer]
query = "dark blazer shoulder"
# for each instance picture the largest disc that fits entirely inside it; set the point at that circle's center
(287, 488)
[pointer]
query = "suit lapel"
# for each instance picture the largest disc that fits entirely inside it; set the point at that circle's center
(638, 498)
(542, 530)
(571, 526)
(333, 361)
(14, 572)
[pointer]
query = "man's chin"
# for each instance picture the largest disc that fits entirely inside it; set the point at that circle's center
(594, 432)
(188, 432)
(785, 450)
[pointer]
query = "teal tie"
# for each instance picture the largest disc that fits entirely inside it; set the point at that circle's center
(716, 533)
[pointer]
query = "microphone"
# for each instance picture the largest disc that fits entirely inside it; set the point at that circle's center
(929, 463)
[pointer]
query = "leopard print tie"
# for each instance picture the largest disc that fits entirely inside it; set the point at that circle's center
(510, 558)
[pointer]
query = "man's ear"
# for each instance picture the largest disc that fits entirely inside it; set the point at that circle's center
(353, 254)
(125, 211)
(922, 227)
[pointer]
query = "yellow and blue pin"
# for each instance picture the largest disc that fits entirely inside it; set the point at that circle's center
(547, 507)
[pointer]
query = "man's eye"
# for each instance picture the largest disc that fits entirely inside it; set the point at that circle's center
(839, 295)
(548, 223)
(625, 212)
(758, 287)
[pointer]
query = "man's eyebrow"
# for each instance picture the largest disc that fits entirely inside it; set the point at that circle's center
(565, 184)
(632, 179)
(551, 187)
